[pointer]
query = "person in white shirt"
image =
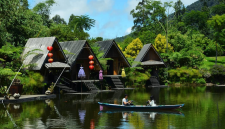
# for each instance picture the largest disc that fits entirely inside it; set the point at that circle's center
(125, 101)
(151, 101)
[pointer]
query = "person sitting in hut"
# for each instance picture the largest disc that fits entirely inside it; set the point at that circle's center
(126, 102)
(151, 101)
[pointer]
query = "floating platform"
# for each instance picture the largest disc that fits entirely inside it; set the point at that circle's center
(85, 81)
(123, 88)
(27, 98)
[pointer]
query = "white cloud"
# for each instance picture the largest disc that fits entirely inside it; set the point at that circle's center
(101, 5)
(65, 8)
(128, 31)
(111, 24)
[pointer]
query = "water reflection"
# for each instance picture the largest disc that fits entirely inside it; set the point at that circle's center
(204, 108)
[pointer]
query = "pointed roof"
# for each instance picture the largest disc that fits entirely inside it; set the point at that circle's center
(75, 48)
(41, 56)
(142, 55)
(105, 46)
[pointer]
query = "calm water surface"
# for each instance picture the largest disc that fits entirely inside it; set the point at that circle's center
(204, 109)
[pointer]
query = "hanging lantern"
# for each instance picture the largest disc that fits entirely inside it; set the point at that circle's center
(50, 55)
(91, 67)
(91, 57)
(50, 60)
(50, 48)
(91, 62)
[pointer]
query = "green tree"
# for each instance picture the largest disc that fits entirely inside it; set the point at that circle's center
(161, 45)
(179, 10)
(217, 24)
(196, 20)
(132, 50)
(81, 23)
(218, 9)
(58, 20)
(43, 9)
(146, 12)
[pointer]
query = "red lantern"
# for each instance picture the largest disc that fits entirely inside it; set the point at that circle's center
(91, 67)
(91, 62)
(91, 57)
(50, 48)
(50, 55)
(50, 60)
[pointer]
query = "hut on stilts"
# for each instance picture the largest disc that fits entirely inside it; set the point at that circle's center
(77, 53)
(113, 72)
(39, 62)
(149, 58)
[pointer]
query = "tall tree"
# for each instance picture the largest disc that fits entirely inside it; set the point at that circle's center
(83, 22)
(146, 13)
(43, 9)
(179, 10)
(58, 20)
(217, 24)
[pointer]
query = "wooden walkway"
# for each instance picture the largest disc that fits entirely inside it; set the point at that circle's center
(26, 98)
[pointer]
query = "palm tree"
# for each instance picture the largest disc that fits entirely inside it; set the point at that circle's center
(81, 22)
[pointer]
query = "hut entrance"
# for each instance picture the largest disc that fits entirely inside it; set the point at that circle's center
(110, 68)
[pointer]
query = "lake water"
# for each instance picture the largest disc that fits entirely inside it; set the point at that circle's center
(204, 109)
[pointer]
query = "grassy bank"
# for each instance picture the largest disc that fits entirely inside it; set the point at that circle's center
(210, 61)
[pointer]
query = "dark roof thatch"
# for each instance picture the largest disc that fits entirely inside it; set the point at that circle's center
(75, 48)
(142, 54)
(105, 47)
(41, 56)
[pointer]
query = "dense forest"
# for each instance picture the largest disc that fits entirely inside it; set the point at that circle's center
(184, 38)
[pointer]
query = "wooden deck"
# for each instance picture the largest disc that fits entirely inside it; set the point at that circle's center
(85, 80)
(112, 75)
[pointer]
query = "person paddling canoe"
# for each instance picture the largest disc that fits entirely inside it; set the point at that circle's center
(125, 101)
(151, 101)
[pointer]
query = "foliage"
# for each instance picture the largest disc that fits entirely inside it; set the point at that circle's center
(161, 45)
(81, 23)
(196, 19)
(125, 43)
(43, 9)
(205, 72)
(218, 9)
(142, 14)
(217, 24)
(51, 88)
(31, 82)
(100, 54)
(137, 76)
(184, 75)
(62, 32)
(58, 20)
(17, 24)
(201, 81)
(133, 48)
(179, 10)
(218, 74)
(3, 90)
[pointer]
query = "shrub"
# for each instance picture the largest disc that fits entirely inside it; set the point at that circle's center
(201, 81)
(218, 73)
(184, 75)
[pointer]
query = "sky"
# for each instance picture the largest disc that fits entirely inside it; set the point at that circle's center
(112, 17)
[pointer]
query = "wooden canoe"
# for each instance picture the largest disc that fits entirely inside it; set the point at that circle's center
(141, 107)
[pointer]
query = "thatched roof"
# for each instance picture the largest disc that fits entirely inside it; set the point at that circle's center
(75, 48)
(140, 57)
(41, 57)
(105, 46)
